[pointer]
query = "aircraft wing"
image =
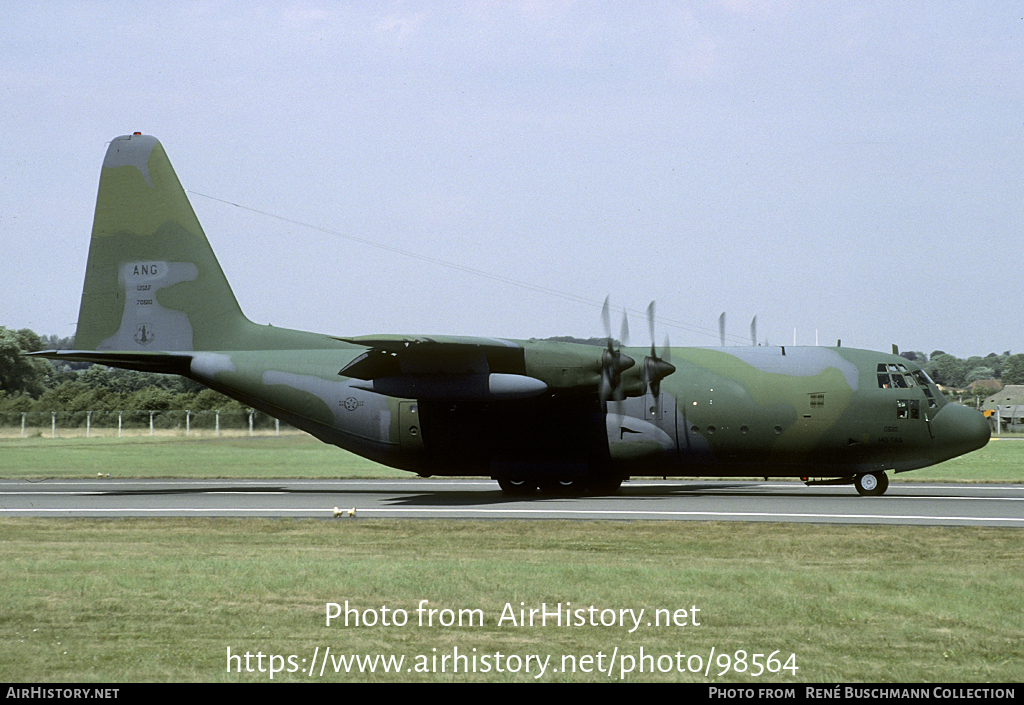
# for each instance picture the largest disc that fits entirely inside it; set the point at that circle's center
(402, 354)
(442, 368)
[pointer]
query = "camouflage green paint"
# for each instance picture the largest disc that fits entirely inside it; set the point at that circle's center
(526, 412)
(152, 281)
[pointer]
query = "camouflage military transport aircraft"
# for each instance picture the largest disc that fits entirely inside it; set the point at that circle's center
(558, 417)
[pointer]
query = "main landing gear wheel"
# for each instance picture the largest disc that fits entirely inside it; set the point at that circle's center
(562, 488)
(872, 484)
(517, 488)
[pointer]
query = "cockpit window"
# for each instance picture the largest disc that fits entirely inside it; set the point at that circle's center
(922, 378)
(894, 375)
(908, 409)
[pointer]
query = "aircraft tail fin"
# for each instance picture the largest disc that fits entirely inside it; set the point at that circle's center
(152, 281)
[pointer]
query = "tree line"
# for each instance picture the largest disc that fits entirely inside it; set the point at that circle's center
(30, 384)
(956, 373)
(34, 385)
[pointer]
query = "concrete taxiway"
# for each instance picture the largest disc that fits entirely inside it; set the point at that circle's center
(712, 500)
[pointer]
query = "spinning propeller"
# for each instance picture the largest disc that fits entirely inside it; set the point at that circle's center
(656, 368)
(613, 362)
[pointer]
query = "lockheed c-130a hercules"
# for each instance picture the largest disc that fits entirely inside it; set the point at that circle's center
(558, 417)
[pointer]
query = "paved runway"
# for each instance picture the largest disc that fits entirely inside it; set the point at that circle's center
(696, 500)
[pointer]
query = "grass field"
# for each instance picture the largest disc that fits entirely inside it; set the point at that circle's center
(165, 599)
(290, 455)
(144, 600)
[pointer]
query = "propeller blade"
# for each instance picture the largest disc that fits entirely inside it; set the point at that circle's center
(606, 318)
(656, 368)
(613, 362)
(605, 390)
(650, 324)
(721, 329)
(650, 379)
(753, 332)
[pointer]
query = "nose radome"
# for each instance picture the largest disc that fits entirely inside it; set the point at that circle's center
(959, 429)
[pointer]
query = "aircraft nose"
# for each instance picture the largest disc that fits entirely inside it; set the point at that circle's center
(959, 429)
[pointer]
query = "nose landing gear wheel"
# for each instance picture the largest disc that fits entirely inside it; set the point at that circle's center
(872, 484)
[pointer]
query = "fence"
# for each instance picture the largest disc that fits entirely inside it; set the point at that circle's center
(136, 422)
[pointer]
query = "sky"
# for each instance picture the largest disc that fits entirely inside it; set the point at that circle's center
(842, 171)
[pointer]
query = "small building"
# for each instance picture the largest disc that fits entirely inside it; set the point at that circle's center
(988, 387)
(1005, 409)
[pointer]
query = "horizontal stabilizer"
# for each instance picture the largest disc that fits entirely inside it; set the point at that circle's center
(164, 362)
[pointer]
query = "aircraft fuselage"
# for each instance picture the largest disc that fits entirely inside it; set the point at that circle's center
(764, 411)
